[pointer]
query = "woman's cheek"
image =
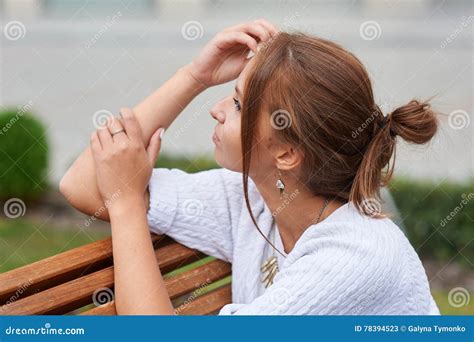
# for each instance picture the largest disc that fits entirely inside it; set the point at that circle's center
(229, 152)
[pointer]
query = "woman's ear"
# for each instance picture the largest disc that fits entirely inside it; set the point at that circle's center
(288, 158)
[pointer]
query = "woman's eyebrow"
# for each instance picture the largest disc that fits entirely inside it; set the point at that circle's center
(237, 89)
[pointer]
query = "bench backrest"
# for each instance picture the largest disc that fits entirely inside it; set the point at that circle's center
(81, 280)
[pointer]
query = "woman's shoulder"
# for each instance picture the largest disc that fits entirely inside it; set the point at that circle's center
(372, 257)
(367, 259)
(347, 222)
(353, 239)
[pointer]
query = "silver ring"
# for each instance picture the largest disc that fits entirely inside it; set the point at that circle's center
(118, 131)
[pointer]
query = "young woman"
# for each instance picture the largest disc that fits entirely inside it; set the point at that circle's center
(304, 150)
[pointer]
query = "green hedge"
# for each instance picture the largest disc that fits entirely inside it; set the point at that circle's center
(190, 165)
(23, 155)
(439, 218)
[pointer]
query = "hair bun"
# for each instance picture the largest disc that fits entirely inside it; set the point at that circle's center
(415, 122)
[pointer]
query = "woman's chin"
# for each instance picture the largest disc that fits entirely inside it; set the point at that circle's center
(217, 157)
(226, 164)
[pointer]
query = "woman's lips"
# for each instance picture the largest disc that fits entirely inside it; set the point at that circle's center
(215, 138)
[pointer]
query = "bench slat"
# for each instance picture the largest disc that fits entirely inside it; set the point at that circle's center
(180, 284)
(78, 292)
(57, 269)
(207, 304)
(198, 277)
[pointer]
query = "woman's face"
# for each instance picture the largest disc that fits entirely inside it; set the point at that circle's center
(227, 112)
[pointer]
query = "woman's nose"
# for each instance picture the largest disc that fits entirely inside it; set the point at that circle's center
(218, 114)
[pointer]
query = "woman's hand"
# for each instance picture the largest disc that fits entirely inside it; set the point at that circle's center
(225, 56)
(123, 166)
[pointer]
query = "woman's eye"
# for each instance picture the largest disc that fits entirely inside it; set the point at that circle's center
(236, 103)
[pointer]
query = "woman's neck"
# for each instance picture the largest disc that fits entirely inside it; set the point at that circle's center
(296, 211)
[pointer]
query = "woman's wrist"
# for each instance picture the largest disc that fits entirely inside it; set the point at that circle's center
(189, 75)
(126, 207)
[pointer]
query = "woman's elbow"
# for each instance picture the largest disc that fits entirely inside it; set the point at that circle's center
(68, 187)
(80, 200)
(65, 187)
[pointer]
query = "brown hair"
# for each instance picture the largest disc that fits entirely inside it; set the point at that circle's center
(323, 96)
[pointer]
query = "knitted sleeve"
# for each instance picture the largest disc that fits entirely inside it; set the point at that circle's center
(198, 210)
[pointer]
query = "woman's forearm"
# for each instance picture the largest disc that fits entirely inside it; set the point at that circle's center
(159, 109)
(162, 107)
(139, 285)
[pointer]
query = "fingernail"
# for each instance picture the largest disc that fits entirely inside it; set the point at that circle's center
(162, 132)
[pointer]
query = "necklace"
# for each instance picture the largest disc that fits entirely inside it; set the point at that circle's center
(270, 267)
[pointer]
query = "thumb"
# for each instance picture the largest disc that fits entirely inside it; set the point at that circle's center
(154, 146)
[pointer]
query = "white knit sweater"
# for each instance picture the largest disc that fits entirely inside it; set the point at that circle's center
(348, 264)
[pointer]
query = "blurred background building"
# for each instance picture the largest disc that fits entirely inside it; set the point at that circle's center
(71, 63)
(71, 59)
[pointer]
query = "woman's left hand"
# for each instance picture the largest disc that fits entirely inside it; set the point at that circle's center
(123, 165)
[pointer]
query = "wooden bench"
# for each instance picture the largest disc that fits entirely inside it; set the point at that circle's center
(81, 280)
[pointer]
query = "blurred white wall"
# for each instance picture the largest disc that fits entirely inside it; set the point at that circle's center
(72, 59)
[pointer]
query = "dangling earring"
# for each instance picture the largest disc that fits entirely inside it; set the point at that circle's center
(280, 185)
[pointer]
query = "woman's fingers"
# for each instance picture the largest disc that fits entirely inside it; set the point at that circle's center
(104, 137)
(269, 26)
(154, 146)
(254, 29)
(260, 28)
(115, 125)
(131, 125)
(96, 147)
(231, 38)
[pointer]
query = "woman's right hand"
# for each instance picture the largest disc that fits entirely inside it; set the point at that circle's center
(225, 56)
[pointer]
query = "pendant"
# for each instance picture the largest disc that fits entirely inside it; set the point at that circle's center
(281, 186)
(269, 269)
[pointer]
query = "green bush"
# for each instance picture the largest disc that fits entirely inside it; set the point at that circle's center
(23, 155)
(439, 218)
(190, 165)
